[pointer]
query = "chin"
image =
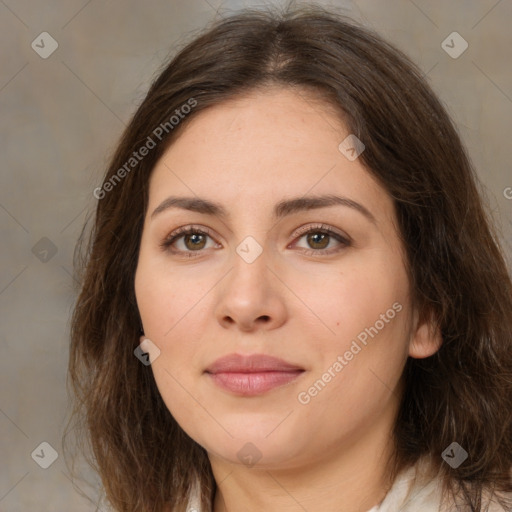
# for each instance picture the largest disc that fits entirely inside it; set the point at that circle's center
(253, 448)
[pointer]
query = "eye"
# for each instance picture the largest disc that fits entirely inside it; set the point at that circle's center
(319, 237)
(193, 239)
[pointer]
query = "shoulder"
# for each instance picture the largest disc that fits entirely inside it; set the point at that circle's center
(493, 505)
(194, 500)
(412, 490)
(416, 489)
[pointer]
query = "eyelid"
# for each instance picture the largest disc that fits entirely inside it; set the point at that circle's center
(321, 227)
(344, 241)
(184, 230)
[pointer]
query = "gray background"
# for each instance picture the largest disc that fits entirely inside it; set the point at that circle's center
(60, 120)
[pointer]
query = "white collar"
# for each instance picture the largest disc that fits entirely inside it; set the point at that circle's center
(410, 493)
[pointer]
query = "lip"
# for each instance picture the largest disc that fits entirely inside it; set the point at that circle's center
(256, 363)
(252, 375)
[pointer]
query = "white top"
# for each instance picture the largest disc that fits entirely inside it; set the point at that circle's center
(408, 494)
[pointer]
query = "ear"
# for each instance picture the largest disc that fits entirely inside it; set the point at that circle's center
(426, 337)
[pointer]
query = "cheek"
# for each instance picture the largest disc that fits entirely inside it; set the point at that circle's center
(342, 303)
(173, 318)
(169, 306)
(362, 313)
(168, 301)
(356, 376)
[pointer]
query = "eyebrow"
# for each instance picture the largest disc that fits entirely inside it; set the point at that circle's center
(281, 209)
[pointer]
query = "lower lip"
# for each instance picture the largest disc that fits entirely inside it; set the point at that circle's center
(251, 384)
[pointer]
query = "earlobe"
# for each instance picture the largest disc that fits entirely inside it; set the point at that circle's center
(426, 340)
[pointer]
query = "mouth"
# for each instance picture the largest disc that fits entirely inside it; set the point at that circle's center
(252, 375)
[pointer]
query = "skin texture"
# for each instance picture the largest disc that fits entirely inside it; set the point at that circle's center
(248, 154)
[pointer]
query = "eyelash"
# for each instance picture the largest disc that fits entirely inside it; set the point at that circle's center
(197, 230)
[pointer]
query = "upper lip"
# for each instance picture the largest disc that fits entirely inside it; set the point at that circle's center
(237, 363)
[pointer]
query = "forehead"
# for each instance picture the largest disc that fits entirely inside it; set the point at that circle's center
(272, 143)
(275, 117)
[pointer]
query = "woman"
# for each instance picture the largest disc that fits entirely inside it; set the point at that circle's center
(292, 298)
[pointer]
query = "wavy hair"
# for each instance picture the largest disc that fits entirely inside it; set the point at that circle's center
(457, 270)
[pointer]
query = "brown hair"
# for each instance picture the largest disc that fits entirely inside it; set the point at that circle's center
(458, 276)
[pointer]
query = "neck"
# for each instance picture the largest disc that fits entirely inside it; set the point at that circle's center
(352, 478)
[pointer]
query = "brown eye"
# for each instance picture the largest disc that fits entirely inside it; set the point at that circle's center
(318, 240)
(186, 241)
(194, 241)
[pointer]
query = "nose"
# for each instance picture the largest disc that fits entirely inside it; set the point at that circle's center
(251, 297)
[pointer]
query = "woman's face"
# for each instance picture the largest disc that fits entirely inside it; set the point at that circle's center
(334, 306)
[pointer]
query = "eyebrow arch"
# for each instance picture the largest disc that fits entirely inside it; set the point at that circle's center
(281, 209)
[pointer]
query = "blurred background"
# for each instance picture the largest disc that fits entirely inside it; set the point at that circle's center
(71, 75)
